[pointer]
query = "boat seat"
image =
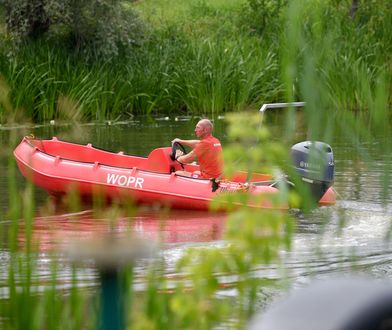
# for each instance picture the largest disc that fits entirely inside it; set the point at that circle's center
(159, 161)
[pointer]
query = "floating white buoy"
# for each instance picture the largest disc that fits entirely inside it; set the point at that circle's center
(162, 118)
(183, 118)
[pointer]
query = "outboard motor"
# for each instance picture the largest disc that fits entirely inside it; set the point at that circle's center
(315, 165)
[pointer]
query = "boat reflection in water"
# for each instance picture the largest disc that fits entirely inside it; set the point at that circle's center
(178, 226)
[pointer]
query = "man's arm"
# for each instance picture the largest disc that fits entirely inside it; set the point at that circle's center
(188, 143)
(189, 157)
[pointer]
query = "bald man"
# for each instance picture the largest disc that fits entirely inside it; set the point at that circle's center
(207, 150)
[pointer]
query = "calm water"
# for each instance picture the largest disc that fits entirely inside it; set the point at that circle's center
(323, 244)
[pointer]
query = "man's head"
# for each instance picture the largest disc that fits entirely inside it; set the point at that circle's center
(204, 128)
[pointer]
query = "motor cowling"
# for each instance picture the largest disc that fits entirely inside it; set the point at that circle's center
(315, 165)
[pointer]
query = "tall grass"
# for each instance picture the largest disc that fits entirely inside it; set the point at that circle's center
(214, 76)
(203, 62)
(24, 304)
(200, 76)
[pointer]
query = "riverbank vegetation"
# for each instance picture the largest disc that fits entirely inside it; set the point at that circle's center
(197, 57)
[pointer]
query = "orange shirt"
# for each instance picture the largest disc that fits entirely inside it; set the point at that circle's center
(210, 156)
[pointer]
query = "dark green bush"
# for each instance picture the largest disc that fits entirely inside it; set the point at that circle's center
(264, 17)
(93, 27)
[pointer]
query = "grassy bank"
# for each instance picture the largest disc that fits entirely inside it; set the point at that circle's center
(209, 57)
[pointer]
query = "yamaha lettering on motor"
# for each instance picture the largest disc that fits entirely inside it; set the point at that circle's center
(315, 165)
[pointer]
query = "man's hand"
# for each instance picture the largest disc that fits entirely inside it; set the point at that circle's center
(179, 153)
(176, 140)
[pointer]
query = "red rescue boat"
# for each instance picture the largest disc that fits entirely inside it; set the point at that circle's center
(60, 167)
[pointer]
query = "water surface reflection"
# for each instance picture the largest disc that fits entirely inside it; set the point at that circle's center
(54, 232)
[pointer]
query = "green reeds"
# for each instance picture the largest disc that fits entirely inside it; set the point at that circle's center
(30, 297)
(202, 62)
(216, 76)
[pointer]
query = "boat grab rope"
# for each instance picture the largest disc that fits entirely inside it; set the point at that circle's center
(31, 136)
(216, 183)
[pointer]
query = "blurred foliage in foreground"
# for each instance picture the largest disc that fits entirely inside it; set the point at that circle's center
(195, 299)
